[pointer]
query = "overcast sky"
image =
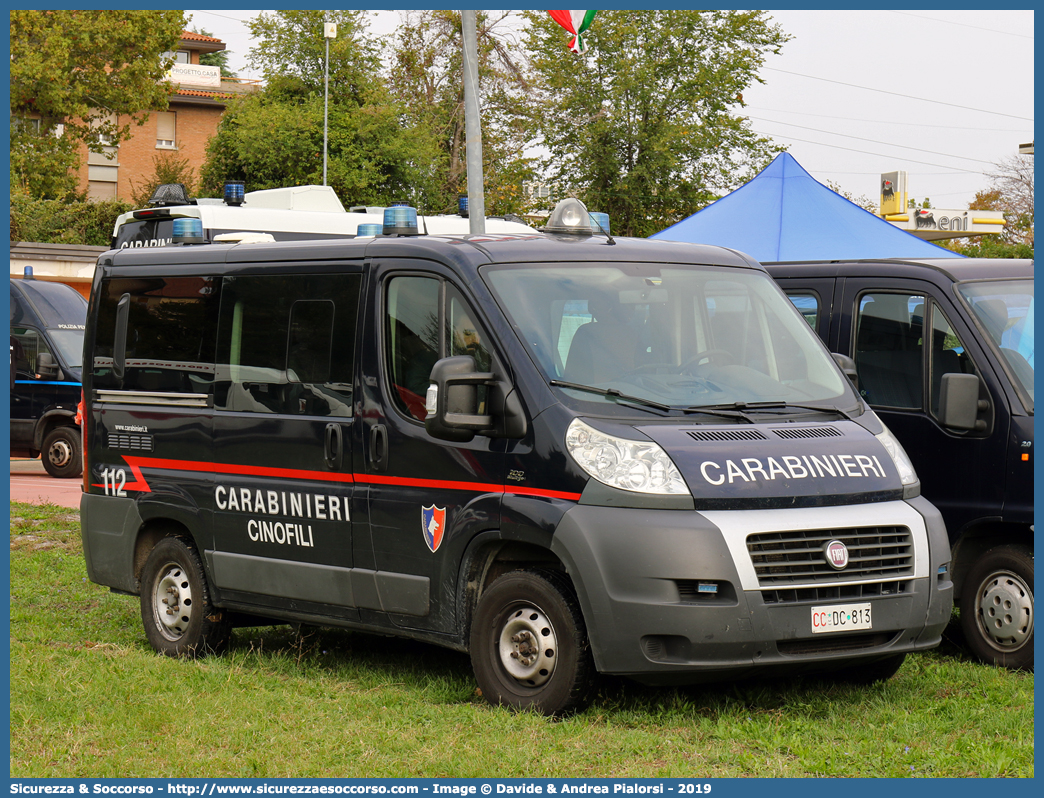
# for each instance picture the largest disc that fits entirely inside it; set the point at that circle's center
(941, 94)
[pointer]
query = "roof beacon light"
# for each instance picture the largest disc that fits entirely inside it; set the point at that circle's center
(235, 193)
(188, 230)
(570, 216)
(599, 222)
(462, 205)
(369, 230)
(400, 220)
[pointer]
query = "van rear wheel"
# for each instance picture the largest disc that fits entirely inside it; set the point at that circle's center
(62, 456)
(529, 646)
(997, 607)
(176, 612)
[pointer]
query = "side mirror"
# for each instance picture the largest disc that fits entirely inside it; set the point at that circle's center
(46, 368)
(452, 403)
(959, 403)
(848, 366)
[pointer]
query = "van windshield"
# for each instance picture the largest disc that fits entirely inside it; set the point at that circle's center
(1004, 308)
(680, 336)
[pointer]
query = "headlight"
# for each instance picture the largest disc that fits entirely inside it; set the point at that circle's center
(899, 457)
(639, 466)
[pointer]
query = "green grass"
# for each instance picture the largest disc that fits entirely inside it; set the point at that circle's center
(89, 698)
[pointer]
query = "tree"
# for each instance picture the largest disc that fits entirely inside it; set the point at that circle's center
(1011, 191)
(427, 75)
(76, 75)
(274, 137)
(218, 59)
(643, 124)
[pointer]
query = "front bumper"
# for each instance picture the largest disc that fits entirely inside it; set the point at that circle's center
(638, 575)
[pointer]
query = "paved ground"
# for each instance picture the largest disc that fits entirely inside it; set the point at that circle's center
(32, 485)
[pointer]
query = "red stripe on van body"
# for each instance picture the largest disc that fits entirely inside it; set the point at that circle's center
(137, 463)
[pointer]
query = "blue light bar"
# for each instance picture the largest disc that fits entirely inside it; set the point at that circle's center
(462, 205)
(188, 231)
(400, 220)
(235, 192)
(369, 230)
(599, 222)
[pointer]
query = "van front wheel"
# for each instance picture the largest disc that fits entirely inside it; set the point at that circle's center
(529, 646)
(997, 607)
(176, 612)
(62, 456)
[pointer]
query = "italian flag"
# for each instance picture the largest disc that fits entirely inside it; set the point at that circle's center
(576, 22)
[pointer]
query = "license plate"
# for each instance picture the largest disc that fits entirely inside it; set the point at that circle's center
(841, 618)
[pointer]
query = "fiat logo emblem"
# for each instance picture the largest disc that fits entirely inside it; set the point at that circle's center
(836, 554)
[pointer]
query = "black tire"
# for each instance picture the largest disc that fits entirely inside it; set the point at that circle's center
(880, 670)
(518, 608)
(62, 454)
(176, 612)
(997, 607)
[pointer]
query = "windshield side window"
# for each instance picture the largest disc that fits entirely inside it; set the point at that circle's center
(413, 343)
(1004, 309)
(808, 305)
(946, 356)
(26, 346)
(286, 344)
(889, 349)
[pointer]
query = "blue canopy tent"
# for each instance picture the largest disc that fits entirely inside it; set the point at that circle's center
(783, 214)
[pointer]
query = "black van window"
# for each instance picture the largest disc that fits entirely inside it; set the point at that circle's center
(286, 344)
(26, 346)
(948, 355)
(889, 349)
(412, 338)
(170, 334)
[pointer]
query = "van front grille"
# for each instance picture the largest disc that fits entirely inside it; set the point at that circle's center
(798, 558)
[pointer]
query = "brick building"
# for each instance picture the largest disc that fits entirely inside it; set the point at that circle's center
(199, 99)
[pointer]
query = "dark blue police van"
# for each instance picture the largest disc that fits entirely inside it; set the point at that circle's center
(943, 352)
(47, 324)
(560, 451)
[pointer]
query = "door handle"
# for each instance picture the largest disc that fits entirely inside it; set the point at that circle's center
(378, 447)
(334, 443)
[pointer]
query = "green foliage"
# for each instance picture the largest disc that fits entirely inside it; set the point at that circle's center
(218, 59)
(274, 137)
(50, 221)
(427, 75)
(990, 247)
(643, 124)
(88, 71)
(167, 168)
(89, 699)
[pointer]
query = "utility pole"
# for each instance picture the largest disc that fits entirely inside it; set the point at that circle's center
(472, 124)
(329, 32)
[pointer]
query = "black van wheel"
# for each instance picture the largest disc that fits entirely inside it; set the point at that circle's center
(529, 646)
(62, 456)
(997, 607)
(176, 612)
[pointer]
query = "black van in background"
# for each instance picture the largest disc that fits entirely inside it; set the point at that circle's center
(47, 323)
(960, 401)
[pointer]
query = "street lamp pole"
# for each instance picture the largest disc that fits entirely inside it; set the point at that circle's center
(472, 126)
(329, 32)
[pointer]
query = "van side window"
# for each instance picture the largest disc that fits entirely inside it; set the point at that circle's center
(947, 354)
(808, 305)
(286, 344)
(170, 334)
(413, 344)
(889, 349)
(26, 345)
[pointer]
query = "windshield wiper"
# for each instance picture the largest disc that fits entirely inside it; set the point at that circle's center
(759, 406)
(716, 410)
(613, 394)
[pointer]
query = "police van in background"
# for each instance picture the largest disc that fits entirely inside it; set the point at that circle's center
(47, 324)
(314, 212)
(943, 352)
(560, 451)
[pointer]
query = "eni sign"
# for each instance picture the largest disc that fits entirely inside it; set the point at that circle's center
(933, 224)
